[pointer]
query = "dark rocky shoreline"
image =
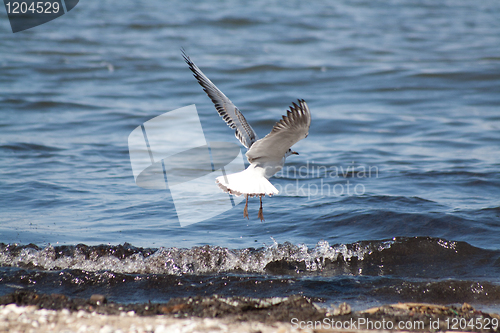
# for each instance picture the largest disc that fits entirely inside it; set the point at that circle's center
(299, 311)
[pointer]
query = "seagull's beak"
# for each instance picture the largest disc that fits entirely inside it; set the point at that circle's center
(294, 153)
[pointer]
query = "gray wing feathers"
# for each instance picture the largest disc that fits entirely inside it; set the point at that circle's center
(292, 128)
(226, 109)
(298, 118)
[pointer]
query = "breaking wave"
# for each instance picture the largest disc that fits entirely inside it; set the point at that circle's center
(286, 258)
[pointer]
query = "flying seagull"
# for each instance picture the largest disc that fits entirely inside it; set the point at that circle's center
(267, 155)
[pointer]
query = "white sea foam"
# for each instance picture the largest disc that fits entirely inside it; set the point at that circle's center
(196, 260)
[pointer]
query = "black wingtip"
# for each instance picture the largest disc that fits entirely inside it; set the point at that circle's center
(190, 64)
(187, 59)
(295, 107)
(300, 106)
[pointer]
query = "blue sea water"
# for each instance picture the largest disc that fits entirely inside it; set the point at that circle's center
(399, 171)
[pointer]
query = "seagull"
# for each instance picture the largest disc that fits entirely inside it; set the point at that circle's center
(267, 155)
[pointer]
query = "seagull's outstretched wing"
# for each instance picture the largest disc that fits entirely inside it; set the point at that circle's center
(230, 113)
(289, 130)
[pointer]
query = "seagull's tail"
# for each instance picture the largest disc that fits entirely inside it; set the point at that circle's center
(248, 182)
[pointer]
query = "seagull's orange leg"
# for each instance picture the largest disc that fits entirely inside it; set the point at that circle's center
(245, 211)
(261, 214)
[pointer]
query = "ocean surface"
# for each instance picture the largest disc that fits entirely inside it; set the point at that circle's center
(395, 192)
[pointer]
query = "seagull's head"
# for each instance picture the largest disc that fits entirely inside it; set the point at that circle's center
(290, 152)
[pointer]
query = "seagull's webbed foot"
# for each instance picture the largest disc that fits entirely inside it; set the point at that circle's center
(245, 211)
(261, 214)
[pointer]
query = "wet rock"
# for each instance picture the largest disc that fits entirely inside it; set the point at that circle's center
(98, 299)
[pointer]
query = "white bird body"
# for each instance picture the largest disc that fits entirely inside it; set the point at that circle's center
(253, 181)
(267, 155)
